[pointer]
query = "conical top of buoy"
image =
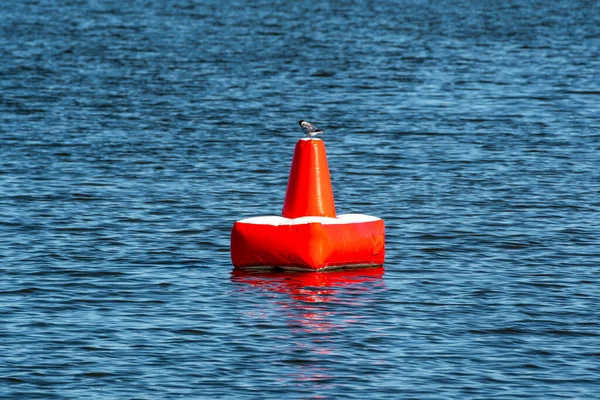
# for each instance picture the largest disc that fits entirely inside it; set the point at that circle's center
(309, 191)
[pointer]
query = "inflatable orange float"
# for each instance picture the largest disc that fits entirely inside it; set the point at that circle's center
(308, 236)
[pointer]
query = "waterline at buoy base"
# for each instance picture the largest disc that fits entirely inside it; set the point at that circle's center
(308, 243)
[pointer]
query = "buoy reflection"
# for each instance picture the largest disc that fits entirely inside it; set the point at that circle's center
(311, 291)
(308, 286)
(315, 307)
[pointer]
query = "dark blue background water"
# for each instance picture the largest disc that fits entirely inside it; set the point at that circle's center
(133, 135)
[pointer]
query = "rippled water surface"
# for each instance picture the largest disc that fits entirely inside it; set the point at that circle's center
(133, 135)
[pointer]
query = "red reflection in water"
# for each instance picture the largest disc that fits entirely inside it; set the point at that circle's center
(311, 305)
(311, 291)
(313, 287)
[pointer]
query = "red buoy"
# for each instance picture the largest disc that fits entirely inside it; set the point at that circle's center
(309, 235)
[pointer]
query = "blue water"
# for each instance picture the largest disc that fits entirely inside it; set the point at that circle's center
(134, 134)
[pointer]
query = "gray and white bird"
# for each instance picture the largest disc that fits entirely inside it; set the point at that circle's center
(309, 129)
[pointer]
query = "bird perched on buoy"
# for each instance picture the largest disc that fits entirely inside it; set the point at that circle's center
(309, 129)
